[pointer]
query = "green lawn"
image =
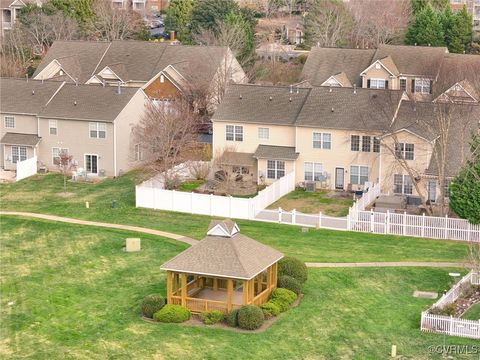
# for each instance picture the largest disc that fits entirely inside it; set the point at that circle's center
(190, 185)
(328, 202)
(473, 313)
(76, 295)
(40, 194)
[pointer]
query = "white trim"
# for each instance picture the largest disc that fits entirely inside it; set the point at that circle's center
(101, 59)
(325, 83)
(113, 72)
(85, 163)
(97, 129)
(114, 146)
(363, 73)
(450, 88)
(54, 94)
(5, 122)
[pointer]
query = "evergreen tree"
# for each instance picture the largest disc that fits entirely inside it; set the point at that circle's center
(178, 19)
(426, 29)
(418, 5)
(207, 13)
(460, 33)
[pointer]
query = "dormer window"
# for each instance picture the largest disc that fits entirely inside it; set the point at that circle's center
(377, 83)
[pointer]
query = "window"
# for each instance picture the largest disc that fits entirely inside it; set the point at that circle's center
(322, 140)
(403, 84)
(422, 86)
(98, 130)
(275, 169)
(56, 154)
(263, 133)
(138, 152)
(52, 127)
(376, 144)
(313, 171)
(447, 189)
(19, 153)
(377, 84)
(234, 133)
(355, 143)
(358, 174)
(9, 122)
(405, 151)
(402, 184)
(366, 143)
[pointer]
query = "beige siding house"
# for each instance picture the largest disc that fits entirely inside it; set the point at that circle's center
(91, 123)
(337, 138)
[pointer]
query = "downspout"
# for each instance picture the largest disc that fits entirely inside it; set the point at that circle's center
(114, 148)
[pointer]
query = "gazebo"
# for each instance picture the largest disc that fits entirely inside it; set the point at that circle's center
(222, 272)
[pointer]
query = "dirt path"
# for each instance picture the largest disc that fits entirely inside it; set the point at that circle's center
(387, 264)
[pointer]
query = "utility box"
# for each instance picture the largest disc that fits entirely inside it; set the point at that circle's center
(132, 245)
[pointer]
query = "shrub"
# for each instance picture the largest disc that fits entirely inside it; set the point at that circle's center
(282, 304)
(232, 318)
(212, 317)
(250, 317)
(151, 304)
(172, 314)
(270, 309)
(284, 294)
(293, 267)
(290, 283)
(447, 310)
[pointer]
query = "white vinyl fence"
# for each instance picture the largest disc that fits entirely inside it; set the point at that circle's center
(150, 196)
(448, 324)
(26, 168)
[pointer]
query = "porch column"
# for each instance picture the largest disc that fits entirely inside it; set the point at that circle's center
(275, 275)
(169, 287)
(251, 290)
(215, 284)
(269, 278)
(245, 292)
(229, 294)
(184, 290)
(259, 282)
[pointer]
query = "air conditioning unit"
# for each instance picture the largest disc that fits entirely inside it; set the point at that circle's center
(310, 186)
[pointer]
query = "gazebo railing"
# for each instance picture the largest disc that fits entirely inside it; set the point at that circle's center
(196, 305)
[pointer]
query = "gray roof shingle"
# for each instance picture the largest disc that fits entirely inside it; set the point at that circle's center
(261, 104)
(276, 152)
(237, 257)
(20, 139)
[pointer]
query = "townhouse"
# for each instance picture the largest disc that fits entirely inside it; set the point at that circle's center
(10, 9)
(142, 6)
(335, 137)
(162, 70)
(91, 123)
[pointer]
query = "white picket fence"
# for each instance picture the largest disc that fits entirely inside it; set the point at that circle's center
(448, 324)
(367, 197)
(150, 196)
(26, 168)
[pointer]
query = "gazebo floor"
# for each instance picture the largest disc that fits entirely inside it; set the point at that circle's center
(218, 295)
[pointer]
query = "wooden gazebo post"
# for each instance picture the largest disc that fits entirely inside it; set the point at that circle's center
(184, 290)
(169, 287)
(229, 294)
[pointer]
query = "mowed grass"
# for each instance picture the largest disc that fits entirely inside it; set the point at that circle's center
(327, 202)
(473, 313)
(40, 194)
(70, 292)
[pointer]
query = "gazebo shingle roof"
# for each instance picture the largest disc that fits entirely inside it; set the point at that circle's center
(237, 257)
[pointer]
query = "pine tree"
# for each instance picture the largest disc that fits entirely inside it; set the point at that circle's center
(426, 29)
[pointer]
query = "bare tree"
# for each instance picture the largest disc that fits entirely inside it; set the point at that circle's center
(65, 165)
(116, 24)
(223, 167)
(378, 21)
(327, 24)
(166, 135)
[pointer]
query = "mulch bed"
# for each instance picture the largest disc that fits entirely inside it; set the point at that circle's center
(195, 321)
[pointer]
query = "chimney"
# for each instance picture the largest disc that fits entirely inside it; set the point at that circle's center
(172, 35)
(119, 88)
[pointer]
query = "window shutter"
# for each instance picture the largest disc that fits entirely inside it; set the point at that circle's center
(413, 85)
(368, 84)
(386, 84)
(431, 86)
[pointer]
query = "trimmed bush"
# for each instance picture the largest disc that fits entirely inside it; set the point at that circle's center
(212, 317)
(232, 318)
(290, 283)
(282, 304)
(284, 294)
(270, 309)
(250, 317)
(172, 314)
(151, 304)
(293, 267)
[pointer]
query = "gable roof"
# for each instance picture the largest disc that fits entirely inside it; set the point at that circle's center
(88, 102)
(276, 152)
(457, 68)
(20, 96)
(276, 105)
(11, 138)
(322, 63)
(412, 60)
(237, 257)
(133, 61)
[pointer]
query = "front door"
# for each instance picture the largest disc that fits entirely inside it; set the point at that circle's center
(339, 178)
(91, 164)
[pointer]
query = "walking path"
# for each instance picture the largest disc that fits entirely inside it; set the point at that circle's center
(193, 242)
(101, 224)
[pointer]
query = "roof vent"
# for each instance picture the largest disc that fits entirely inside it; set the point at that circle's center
(330, 90)
(291, 89)
(240, 96)
(75, 103)
(270, 98)
(333, 109)
(354, 88)
(119, 88)
(298, 89)
(223, 228)
(290, 99)
(33, 92)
